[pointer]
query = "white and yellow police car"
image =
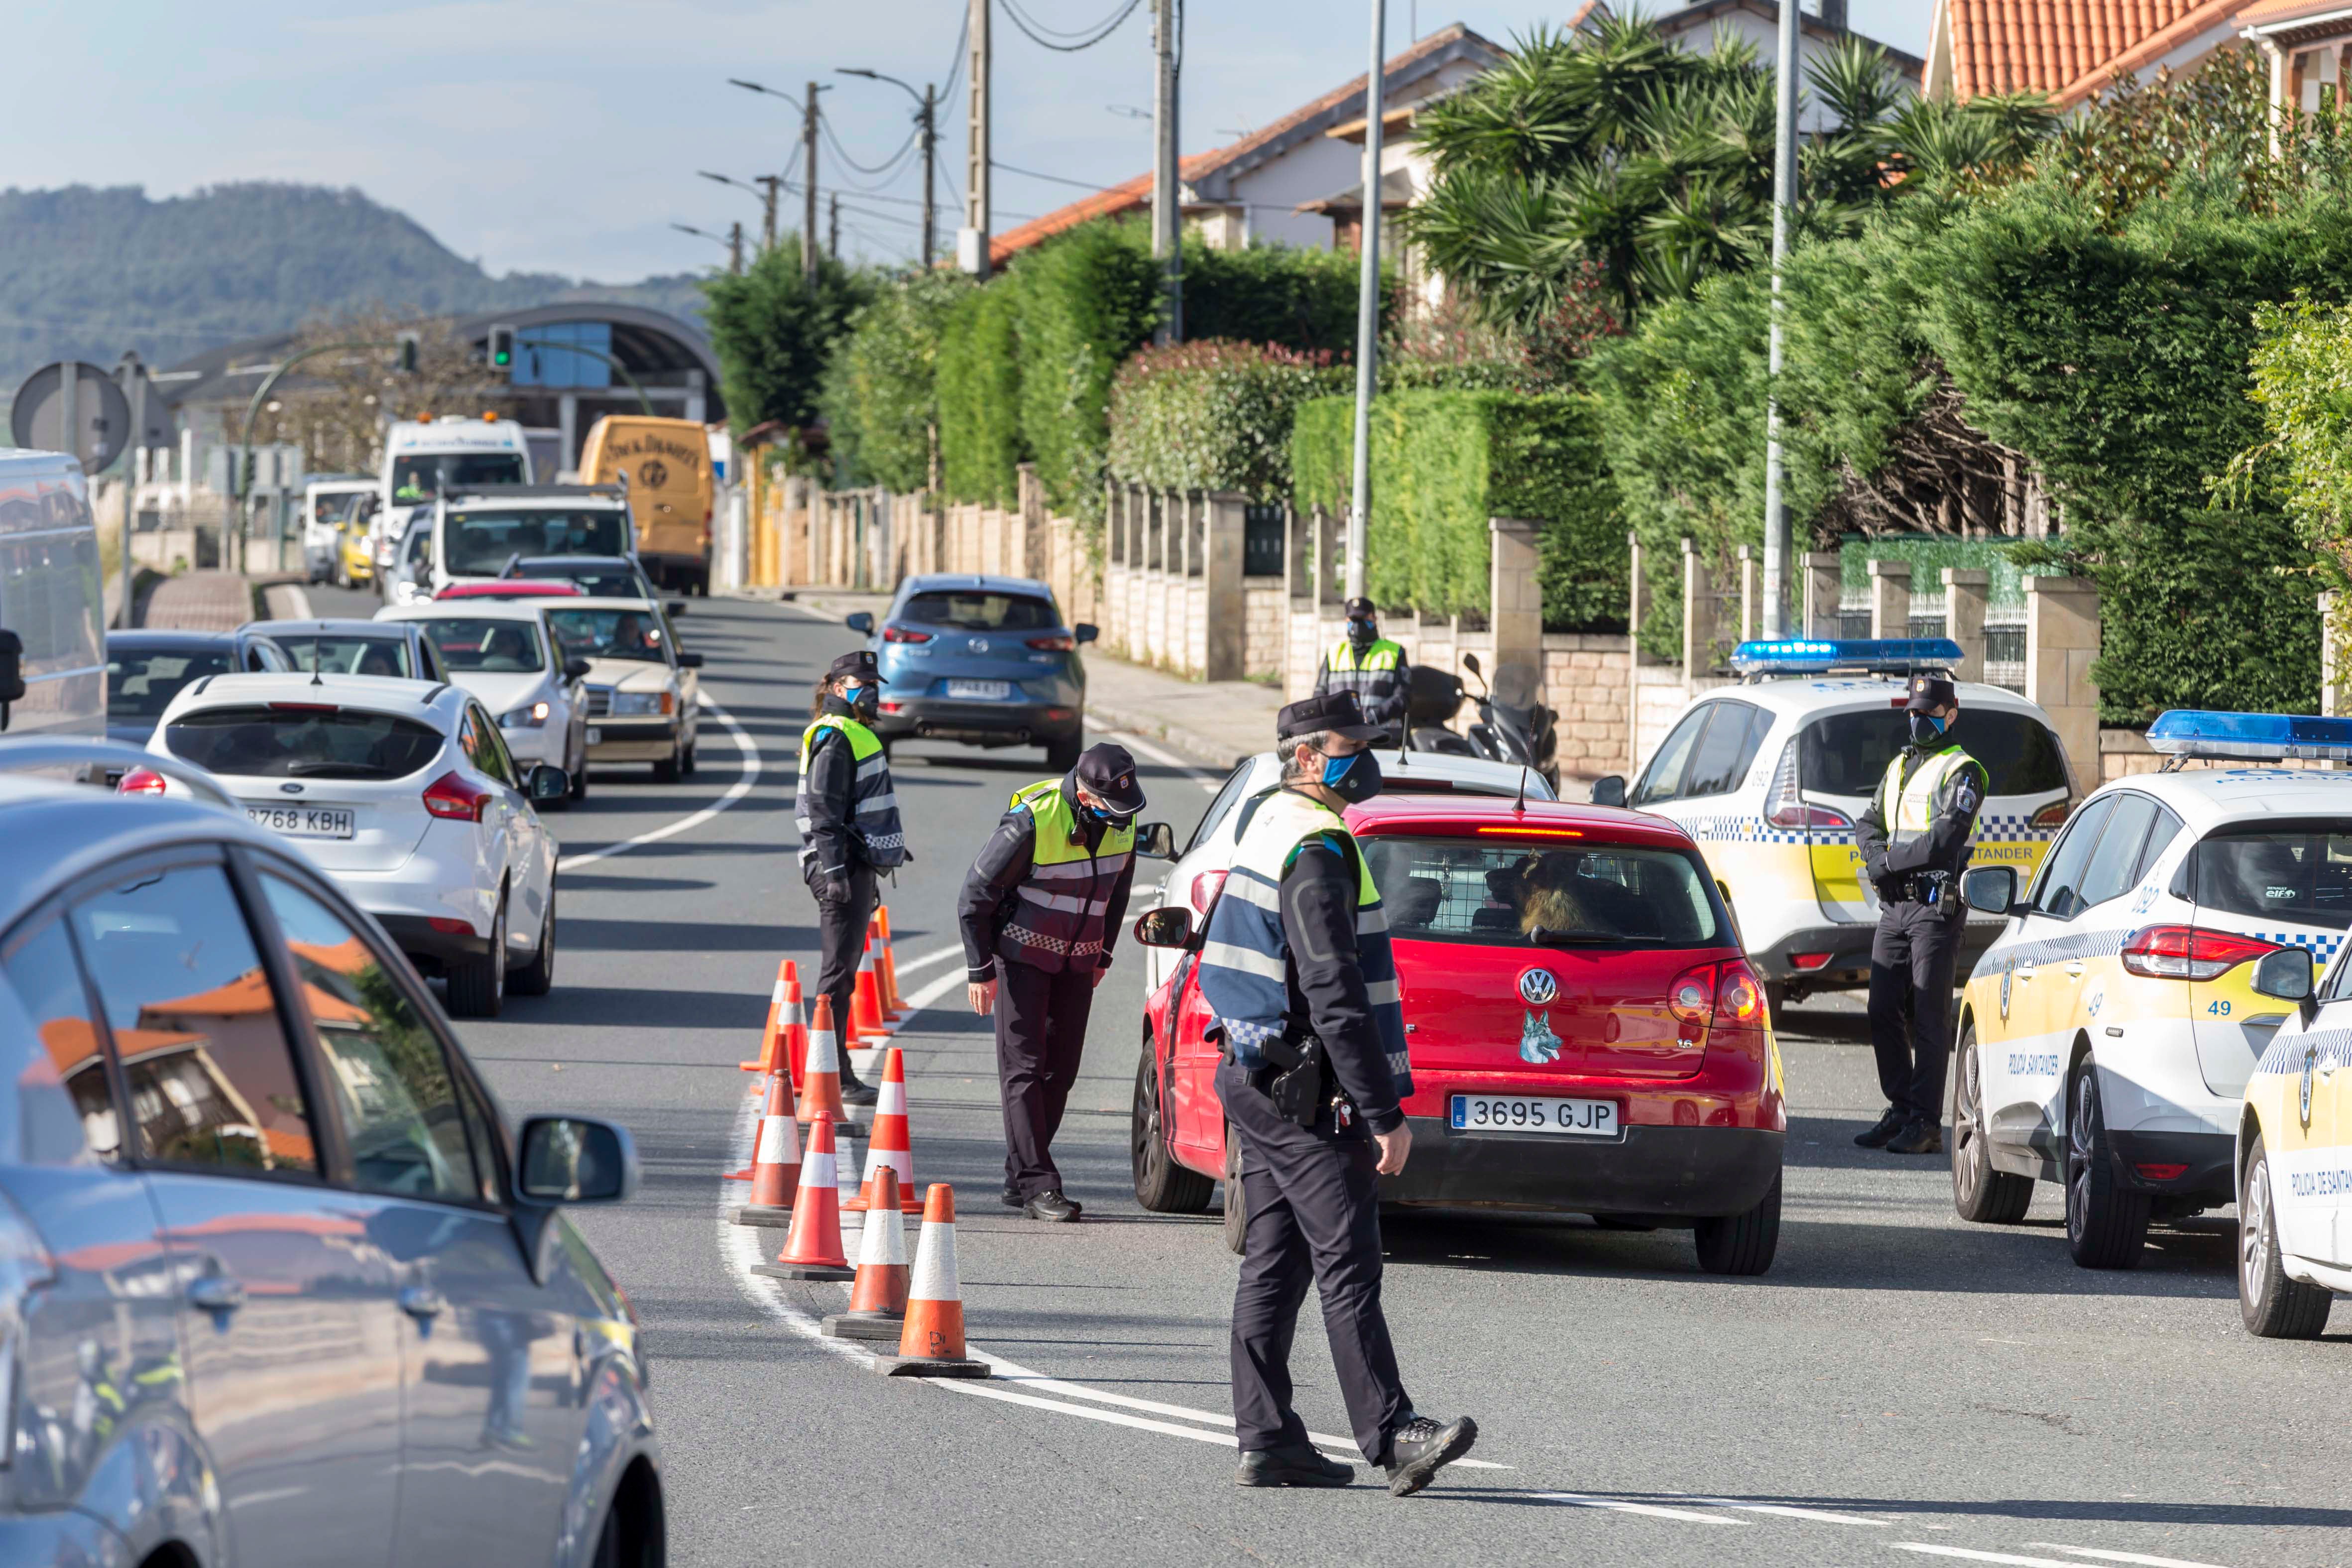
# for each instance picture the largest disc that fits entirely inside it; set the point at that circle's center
(1770, 774)
(2108, 1036)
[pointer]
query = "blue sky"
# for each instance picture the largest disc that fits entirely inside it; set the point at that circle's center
(564, 136)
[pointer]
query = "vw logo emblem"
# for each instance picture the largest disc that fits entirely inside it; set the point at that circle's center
(978, 644)
(289, 789)
(1538, 988)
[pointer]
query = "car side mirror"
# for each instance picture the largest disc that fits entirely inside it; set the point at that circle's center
(575, 670)
(549, 782)
(860, 621)
(1156, 841)
(576, 1159)
(674, 607)
(688, 660)
(1164, 928)
(2284, 974)
(1609, 790)
(1991, 889)
(12, 666)
(1084, 633)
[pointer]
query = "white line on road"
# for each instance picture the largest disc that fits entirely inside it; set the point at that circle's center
(2139, 1557)
(735, 791)
(990, 1391)
(1789, 1511)
(1579, 1499)
(1934, 1551)
(929, 959)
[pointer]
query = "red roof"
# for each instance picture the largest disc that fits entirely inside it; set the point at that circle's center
(2070, 48)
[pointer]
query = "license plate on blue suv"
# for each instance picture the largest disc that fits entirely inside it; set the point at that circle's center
(981, 690)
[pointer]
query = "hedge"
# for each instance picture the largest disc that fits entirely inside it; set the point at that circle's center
(880, 400)
(979, 400)
(1213, 416)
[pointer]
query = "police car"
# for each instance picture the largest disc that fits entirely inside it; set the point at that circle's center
(2109, 1036)
(1769, 775)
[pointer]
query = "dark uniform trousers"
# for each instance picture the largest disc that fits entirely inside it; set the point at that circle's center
(1041, 1033)
(841, 932)
(1912, 957)
(1312, 1212)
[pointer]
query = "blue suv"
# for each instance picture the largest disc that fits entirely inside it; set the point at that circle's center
(983, 661)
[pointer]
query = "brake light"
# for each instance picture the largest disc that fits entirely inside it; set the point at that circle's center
(900, 634)
(1739, 999)
(2151, 1172)
(1054, 645)
(2055, 814)
(1808, 960)
(141, 781)
(1534, 832)
(2185, 953)
(894, 708)
(451, 924)
(452, 799)
(1691, 998)
(1784, 807)
(1206, 887)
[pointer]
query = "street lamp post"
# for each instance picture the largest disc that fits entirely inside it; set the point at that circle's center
(926, 126)
(763, 188)
(734, 244)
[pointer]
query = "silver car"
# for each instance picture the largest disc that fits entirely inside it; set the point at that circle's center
(276, 1282)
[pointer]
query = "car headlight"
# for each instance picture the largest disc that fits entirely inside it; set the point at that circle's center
(531, 717)
(639, 702)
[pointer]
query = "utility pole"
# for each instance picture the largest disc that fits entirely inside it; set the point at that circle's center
(972, 240)
(1167, 190)
(808, 178)
(931, 156)
(833, 228)
(1784, 202)
(768, 183)
(735, 250)
(1367, 302)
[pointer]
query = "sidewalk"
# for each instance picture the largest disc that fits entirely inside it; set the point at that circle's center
(200, 602)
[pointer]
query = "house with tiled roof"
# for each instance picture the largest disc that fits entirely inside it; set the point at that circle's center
(2070, 49)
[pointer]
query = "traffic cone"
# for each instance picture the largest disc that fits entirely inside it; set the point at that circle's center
(776, 1161)
(865, 1002)
(792, 1033)
(890, 1149)
(844, 1192)
(787, 972)
(813, 1245)
(893, 1004)
(820, 1081)
(878, 1301)
(932, 1344)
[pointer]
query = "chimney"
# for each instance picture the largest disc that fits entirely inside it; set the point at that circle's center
(1833, 15)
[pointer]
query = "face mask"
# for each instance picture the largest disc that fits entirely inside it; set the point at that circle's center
(1363, 632)
(1926, 729)
(863, 697)
(1354, 779)
(1108, 818)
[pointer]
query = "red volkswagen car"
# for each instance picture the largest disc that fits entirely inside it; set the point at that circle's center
(1586, 1035)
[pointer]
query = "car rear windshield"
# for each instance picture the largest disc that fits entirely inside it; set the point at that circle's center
(597, 583)
(481, 544)
(142, 682)
(1847, 753)
(2301, 875)
(290, 742)
(1523, 893)
(348, 655)
(608, 634)
(469, 642)
(979, 611)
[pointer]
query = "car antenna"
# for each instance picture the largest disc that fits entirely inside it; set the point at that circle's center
(1520, 804)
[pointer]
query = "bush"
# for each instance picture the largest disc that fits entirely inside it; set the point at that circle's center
(1212, 415)
(881, 393)
(1084, 301)
(774, 334)
(980, 399)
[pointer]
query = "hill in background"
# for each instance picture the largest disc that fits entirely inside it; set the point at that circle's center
(88, 273)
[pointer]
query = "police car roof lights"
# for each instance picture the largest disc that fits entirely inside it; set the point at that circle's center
(2261, 737)
(1815, 655)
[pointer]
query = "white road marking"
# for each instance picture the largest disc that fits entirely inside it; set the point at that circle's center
(2139, 1557)
(912, 964)
(1579, 1499)
(990, 1391)
(297, 601)
(1789, 1511)
(1210, 782)
(735, 791)
(1981, 1556)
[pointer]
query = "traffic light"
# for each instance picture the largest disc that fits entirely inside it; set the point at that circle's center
(408, 342)
(502, 348)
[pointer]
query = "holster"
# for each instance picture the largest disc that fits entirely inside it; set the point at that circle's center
(1295, 1082)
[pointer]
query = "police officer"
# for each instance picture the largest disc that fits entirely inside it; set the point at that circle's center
(1040, 912)
(848, 817)
(1913, 840)
(1369, 665)
(1296, 967)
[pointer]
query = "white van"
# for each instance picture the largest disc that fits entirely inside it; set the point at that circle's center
(331, 503)
(478, 532)
(426, 458)
(51, 596)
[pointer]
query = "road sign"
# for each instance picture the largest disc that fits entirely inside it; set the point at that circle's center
(71, 407)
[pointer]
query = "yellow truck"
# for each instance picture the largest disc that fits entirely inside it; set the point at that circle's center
(667, 466)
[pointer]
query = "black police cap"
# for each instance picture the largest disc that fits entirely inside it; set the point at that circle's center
(1361, 609)
(1334, 713)
(1931, 691)
(860, 664)
(1108, 773)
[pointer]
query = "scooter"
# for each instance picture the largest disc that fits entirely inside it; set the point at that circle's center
(1512, 727)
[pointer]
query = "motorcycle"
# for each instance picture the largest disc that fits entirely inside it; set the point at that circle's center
(1511, 726)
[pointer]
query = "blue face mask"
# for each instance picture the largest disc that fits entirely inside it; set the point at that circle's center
(1926, 729)
(1354, 779)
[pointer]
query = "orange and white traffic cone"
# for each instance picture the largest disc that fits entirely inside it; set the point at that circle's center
(770, 1039)
(931, 1344)
(894, 1005)
(792, 1033)
(865, 1002)
(821, 1079)
(775, 1162)
(890, 1149)
(813, 1245)
(878, 1301)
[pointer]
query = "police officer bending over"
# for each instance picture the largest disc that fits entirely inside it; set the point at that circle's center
(1913, 840)
(1369, 665)
(1314, 1073)
(847, 810)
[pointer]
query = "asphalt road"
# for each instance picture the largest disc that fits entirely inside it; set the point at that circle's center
(1900, 1385)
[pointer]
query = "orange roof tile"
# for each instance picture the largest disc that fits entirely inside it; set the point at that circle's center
(2071, 48)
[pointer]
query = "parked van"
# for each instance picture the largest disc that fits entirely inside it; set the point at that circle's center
(52, 596)
(668, 462)
(426, 457)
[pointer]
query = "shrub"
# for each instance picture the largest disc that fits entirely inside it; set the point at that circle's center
(1212, 415)
(1084, 301)
(881, 392)
(980, 399)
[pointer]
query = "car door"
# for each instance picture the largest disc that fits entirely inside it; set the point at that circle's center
(531, 856)
(503, 843)
(289, 1319)
(1207, 851)
(2020, 1062)
(493, 1360)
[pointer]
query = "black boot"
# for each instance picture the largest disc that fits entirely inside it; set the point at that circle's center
(1298, 1466)
(1051, 1205)
(855, 1090)
(1421, 1447)
(1011, 1198)
(1882, 1130)
(1920, 1138)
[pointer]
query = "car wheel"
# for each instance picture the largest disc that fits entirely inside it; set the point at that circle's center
(1161, 1185)
(687, 763)
(2273, 1305)
(2106, 1223)
(478, 986)
(1237, 1205)
(1979, 1192)
(580, 780)
(1062, 755)
(537, 977)
(1742, 1243)
(667, 770)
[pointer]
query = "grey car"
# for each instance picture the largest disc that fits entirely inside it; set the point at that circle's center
(277, 1283)
(348, 647)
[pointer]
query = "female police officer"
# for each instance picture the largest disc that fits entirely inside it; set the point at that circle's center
(848, 816)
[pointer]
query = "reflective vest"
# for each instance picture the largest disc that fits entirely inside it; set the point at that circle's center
(873, 804)
(1910, 809)
(1246, 958)
(1370, 675)
(1061, 906)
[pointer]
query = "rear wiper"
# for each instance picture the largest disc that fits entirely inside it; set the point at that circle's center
(1543, 936)
(319, 769)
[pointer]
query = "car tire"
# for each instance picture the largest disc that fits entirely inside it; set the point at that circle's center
(478, 986)
(2106, 1223)
(688, 762)
(1237, 1205)
(667, 770)
(537, 977)
(2273, 1305)
(580, 780)
(1161, 1185)
(1741, 1243)
(1979, 1192)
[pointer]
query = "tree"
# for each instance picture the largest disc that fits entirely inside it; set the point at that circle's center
(881, 402)
(774, 334)
(335, 407)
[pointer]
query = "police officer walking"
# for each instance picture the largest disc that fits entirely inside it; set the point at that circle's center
(1369, 665)
(1913, 841)
(1040, 912)
(1297, 968)
(847, 810)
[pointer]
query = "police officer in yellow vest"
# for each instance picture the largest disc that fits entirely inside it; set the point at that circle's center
(1369, 665)
(1913, 841)
(1040, 912)
(847, 808)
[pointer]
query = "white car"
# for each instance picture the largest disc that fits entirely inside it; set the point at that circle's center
(507, 654)
(402, 791)
(1200, 868)
(645, 693)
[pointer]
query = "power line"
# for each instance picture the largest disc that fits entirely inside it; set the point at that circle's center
(1020, 20)
(888, 169)
(1013, 6)
(1052, 179)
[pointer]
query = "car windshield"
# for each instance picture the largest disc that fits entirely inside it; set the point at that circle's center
(333, 509)
(347, 654)
(608, 634)
(481, 544)
(1524, 893)
(421, 476)
(2299, 875)
(142, 682)
(470, 642)
(976, 610)
(1847, 753)
(296, 740)
(596, 582)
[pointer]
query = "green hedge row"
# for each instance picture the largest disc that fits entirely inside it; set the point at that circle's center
(1213, 416)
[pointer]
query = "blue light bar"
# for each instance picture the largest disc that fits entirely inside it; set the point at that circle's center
(1797, 656)
(2262, 737)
